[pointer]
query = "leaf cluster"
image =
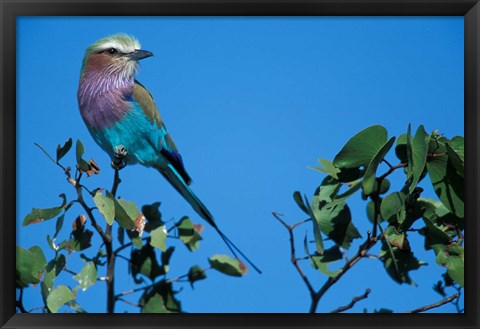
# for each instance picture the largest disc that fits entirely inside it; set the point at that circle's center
(149, 250)
(394, 215)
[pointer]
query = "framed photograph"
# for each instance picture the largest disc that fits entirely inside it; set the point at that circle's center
(239, 164)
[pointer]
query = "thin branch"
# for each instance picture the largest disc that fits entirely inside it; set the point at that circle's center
(69, 271)
(126, 245)
(388, 163)
(132, 291)
(125, 258)
(435, 305)
(43, 308)
(293, 257)
(88, 210)
(392, 169)
(352, 303)
(128, 302)
(362, 252)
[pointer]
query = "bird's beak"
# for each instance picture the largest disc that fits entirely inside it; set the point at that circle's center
(139, 54)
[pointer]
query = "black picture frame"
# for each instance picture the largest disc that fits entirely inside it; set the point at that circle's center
(9, 10)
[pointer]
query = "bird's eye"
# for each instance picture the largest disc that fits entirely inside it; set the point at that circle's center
(112, 51)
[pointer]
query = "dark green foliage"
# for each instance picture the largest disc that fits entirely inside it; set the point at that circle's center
(391, 212)
(62, 150)
(196, 273)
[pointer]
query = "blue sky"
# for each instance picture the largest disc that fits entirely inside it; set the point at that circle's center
(250, 102)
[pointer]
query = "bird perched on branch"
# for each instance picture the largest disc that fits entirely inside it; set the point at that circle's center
(124, 121)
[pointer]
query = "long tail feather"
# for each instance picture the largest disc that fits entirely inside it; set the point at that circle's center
(179, 184)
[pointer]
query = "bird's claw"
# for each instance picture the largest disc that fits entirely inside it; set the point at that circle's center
(120, 154)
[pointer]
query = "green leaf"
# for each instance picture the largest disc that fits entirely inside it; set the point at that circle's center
(361, 148)
(297, 196)
(165, 290)
(25, 264)
(370, 174)
(333, 219)
(58, 297)
(144, 261)
(39, 260)
(80, 238)
(189, 233)
(153, 216)
(439, 215)
(396, 239)
(58, 225)
(228, 265)
(321, 262)
(62, 150)
(159, 237)
(348, 175)
(398, 263)
(392, 207)
(409, 168)
(447, 183)
(53, 246)
(401, 148)
(453, 258)
(328, 168)
(125, 213)
(87, 276)
(38, 215)
(324, 194)
(456, 156)
(106, 205)
(354, 187)
(53, 269)
(155, 305)
(419, 150)
(196, 273)
(384, 186)
(80, 151)
(121, 235)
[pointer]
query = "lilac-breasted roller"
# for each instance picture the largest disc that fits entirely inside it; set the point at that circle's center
(123, 119)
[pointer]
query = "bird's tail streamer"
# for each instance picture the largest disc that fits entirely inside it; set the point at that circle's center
(179, 184)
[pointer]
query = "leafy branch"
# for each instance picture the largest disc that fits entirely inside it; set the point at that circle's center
(159, 296)
(355, 167)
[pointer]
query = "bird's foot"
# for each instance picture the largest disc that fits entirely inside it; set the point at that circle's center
(118, 162)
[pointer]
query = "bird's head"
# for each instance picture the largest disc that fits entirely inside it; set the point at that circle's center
(115, 54)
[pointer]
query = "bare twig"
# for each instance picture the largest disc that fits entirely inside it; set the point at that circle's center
(293, 257)
(128, 302)
(392, 169)
(132, 291)
(43, 308)
(362, 252)
(126, 245)
(434, 305)
(352, 303)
